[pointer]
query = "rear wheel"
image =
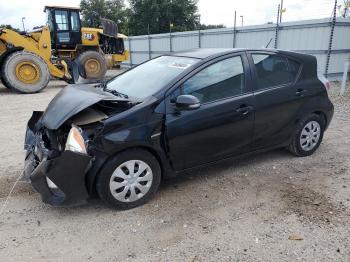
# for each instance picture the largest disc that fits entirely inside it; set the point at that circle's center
(129, 180)
(308, 136)
(94, 64)
(25, 72)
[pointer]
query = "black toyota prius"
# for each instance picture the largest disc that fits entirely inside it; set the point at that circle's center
(170, 114)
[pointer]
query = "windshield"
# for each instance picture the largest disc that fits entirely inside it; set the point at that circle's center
(150, 77)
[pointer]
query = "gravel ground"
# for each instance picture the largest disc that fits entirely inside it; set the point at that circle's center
(247, 210)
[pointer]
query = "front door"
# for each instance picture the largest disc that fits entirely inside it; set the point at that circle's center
(223, 125)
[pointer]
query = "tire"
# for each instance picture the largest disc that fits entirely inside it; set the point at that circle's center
(16, 79)
(114, 183)
(305, 143)
(94, 63)
(4, 83)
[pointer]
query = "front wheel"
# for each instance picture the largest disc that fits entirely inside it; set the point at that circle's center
(308, 136)
(129, 180)
(3, 82)
(25, 72)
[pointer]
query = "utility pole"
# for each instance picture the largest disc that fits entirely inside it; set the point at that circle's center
(170, 36)
(241, 20)
(149, 42)
(199, 33)
(281, 11)
(24, 29)
(277, 25)
(331, 37)
(234, 31)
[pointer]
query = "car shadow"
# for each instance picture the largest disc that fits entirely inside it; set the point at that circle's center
(189, 177)
(219, 168)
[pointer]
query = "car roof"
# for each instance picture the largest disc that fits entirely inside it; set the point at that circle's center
(204, 53)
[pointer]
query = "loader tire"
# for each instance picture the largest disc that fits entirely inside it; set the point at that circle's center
(25, 72)
(94, 63)
(3, 82)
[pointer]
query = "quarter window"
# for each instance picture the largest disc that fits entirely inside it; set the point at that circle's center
(272, 70)
(221, 80)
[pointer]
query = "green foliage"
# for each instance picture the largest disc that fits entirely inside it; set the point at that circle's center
(159, 14)
(93, 10)
(135, 19)
(10, 27)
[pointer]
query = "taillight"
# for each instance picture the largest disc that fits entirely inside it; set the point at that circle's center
(324, 81)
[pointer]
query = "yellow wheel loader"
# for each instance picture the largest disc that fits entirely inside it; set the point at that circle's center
(61, 49)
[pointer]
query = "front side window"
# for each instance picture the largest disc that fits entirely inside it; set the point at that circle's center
(218, 81)
(272, 70)
(61, 18)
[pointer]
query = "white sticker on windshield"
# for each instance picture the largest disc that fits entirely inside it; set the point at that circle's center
(179, 65)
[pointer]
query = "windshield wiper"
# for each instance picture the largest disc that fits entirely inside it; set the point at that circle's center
(103, 85)
(116, 93)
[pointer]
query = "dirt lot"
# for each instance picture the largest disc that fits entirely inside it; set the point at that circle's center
(242, 210)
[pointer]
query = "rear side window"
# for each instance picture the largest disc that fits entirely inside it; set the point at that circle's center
(218, 81)
(294, 68)
(274, 70)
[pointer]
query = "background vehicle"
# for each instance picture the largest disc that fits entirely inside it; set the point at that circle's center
(28, 59)
(172, 114)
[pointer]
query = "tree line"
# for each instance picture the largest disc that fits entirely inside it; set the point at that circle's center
(138, 17)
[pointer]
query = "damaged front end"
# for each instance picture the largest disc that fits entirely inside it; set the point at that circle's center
(57, 173)
(57, 143)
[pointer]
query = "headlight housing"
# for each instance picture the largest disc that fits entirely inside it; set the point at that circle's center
(75, 141)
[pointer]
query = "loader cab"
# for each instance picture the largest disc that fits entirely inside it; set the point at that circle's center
(65, 26)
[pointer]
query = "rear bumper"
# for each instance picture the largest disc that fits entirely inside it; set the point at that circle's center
(67, 171)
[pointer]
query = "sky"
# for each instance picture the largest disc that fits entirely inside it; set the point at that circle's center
(212, 12)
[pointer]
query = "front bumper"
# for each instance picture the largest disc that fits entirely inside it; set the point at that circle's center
(67, 170)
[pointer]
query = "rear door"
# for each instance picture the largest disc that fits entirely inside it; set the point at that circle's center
(223, 125)
(276, 98)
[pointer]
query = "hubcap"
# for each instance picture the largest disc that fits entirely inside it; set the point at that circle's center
(27, 72)
(92, 66)
(131, 181)
(310, 135)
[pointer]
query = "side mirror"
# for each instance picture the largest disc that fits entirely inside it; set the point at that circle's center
(187, 102)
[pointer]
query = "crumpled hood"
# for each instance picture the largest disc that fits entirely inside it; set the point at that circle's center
(71, 100)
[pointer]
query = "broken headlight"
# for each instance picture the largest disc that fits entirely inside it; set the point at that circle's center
(51, 184)
(75, 141)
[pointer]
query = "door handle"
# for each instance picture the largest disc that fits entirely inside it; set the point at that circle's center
(244, 109)
(300, 92)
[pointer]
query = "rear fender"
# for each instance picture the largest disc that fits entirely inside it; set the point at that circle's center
(320, 104)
